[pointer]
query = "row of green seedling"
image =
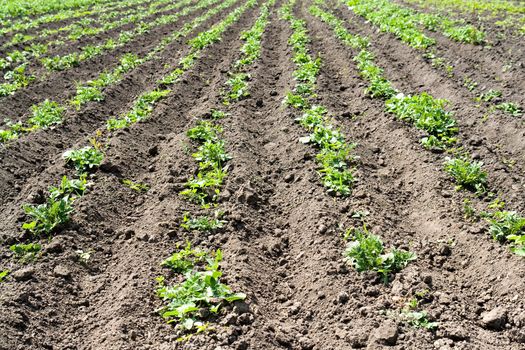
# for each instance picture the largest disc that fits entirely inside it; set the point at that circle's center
(75, 28)
(425, 113)
(184, 301)
(470, 6)
(364, 251)
(145, 103)
(15, 13)
(49, 216)
(237, 84)
(404, 23)
(18, 78)
(48, 113)
(334, 155)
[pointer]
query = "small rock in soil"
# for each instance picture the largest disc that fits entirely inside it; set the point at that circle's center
(143, 236)
(23, 274)
(56, 246)
(495, 319)
(343, 298)
(61, 271)
(230, 319)
(241, 345)
(305, 343)
(245, 319)
(386, 334)
(240, 307)
(289, 178)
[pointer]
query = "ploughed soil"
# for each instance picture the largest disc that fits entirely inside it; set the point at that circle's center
(283, 241)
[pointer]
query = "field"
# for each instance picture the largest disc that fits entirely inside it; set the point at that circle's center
(249, 174)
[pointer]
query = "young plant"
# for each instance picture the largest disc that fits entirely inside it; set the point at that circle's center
(135, 186)
(185, 259)
(366, 252)
(3, 275)
(202, 223)
(489, 96)
(84, 159)
(198, 289)
(204, 131)
(509, 226)
(83, 256)
(48, 216)
(46, 114)
(238, 86)
(25, 252)
(86, 94)
(69, 188)
(467, 174)
(510, 108)
(428, 114)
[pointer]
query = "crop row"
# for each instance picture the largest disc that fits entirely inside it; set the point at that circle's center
(49, 113)
(402, 23)
(364, 251)
(469, 6)
(46, 218)
(200, 287)
(18, 57)
(506, 14)
(428, 114)
(76, 30)
(334, 155)
(19, 78)
(25, 23)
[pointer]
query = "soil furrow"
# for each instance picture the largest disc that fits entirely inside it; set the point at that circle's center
(500, 142)
(107, 287)
(27, 158)
(405, 193)
(473, 61)
(57, 83)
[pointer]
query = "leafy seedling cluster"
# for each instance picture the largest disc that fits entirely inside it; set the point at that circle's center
(25, 253)
(56, 210)
(202, 223)
(135, 186)
(508, 226)
(85, 159)
(197, 291)
(366, 252)
(428, 114)
(467, 174)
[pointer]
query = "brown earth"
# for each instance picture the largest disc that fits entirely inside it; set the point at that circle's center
(282, 244)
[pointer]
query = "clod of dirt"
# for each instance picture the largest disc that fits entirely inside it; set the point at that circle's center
(240, 307)
(247, 195)
(56, 246)
(23, 274)
(289, 178)
(343, 297)
(230, 319)
(494, 319)
(305, 343)
(245, 319)
(386, 334)
(109, 167)
(61, 271)
(153, 151)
